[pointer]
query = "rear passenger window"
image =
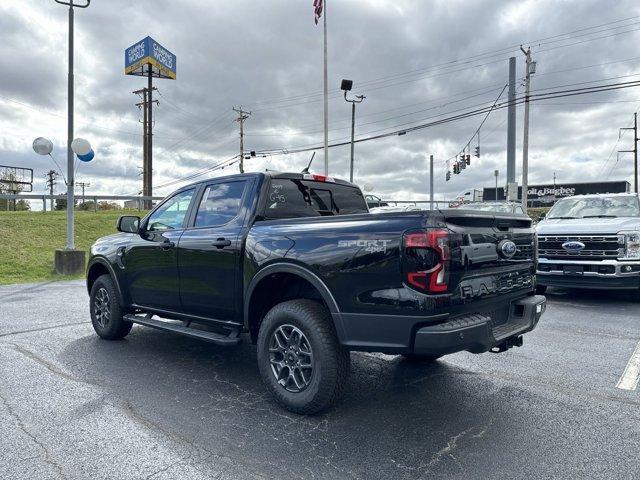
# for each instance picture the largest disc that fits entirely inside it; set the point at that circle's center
(220, 204)
(291, 198)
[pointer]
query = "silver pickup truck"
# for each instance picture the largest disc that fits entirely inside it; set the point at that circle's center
(590, 241)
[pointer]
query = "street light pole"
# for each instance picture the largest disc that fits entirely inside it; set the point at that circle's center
(346, 86)
(495, 174)
(70, 182)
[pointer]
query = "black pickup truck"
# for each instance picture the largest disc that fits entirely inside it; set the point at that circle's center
(296, 263)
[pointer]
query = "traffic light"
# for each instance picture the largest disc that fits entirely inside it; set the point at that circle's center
(448, 176)
(456, 168)
(477, 154)
(468, 159)
(463, 164)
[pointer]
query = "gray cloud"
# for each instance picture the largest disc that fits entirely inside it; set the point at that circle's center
(261, 54)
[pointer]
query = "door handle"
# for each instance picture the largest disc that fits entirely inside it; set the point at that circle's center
(221, 243)
(166, 245)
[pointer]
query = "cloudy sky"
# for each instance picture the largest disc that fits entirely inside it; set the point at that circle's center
(416, 62)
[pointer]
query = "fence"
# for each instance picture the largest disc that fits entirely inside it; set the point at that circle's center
(20, 196)
(140, 200)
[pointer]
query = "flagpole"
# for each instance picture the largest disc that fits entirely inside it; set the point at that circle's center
(326, 96)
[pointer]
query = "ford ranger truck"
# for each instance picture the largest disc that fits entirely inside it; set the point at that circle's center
(591, 241)
(297, 265)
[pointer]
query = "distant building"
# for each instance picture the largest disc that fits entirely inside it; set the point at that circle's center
(547, 195)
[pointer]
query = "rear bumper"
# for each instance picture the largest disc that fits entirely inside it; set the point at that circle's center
(439, 335)
(478, 333)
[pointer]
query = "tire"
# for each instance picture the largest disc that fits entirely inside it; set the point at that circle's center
(314, 382)
(414, 357)
(541, 289)
(106, 311)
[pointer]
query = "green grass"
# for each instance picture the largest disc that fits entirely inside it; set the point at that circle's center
(536, 213)
(28, 240)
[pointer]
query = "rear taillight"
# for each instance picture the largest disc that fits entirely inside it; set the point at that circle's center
(426, 260)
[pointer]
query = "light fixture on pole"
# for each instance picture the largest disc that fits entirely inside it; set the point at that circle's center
(71, 261)
(346, 85)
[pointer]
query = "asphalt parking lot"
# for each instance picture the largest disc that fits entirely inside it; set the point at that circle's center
(161, 406)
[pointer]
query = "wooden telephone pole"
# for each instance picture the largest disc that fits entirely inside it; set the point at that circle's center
(242, 116)
(634, 151)
(147, 140)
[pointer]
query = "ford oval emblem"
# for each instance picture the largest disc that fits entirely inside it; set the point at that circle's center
(573, 246)
(506, 248)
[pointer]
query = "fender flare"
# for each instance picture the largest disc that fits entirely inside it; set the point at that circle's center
(105, 263)
(309, 276)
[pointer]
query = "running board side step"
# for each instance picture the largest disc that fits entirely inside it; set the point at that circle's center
(211, 337)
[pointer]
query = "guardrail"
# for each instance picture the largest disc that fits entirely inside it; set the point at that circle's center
(140, 199)
(436, 203)
(30, 196)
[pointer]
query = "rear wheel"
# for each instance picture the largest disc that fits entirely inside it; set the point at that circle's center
(106, 311)
(541, 289)
(299, 356)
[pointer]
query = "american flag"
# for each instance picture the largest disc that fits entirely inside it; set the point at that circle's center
(317, 9)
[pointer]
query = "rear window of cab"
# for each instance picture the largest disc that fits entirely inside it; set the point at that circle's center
(291, 198)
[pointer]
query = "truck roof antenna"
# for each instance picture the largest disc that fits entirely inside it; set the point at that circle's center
(306, 169)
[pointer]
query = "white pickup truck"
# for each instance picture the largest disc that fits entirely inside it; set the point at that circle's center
(590, 241)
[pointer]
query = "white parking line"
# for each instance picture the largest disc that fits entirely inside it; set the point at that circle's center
(629, 379)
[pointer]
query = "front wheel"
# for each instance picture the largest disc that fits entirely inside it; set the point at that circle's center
(299, 356)
(106, 312)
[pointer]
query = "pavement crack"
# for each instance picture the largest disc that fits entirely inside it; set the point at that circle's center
(53, 368)
(449, 448)
(48, 458)
(31, 288)
(164, 469)
(51, 327)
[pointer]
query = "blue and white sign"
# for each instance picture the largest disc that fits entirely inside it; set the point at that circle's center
(149, 52)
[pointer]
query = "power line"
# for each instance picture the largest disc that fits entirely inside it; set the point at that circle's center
(472, 113)
(483, 120)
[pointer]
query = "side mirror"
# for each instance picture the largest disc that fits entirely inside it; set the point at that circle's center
(542, 215)
(128, 224)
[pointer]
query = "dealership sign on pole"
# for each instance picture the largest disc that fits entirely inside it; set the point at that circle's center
(149, 54)
(147, 58)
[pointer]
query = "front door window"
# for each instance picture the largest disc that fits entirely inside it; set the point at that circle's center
(171, 214)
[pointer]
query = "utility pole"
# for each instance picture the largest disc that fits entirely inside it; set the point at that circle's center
(531, 69)
(242, 116)
(495, 174)
(83, 185)
(51, 181)
(147, 128)
(150, 88)
(430, 182)
(635, 150)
